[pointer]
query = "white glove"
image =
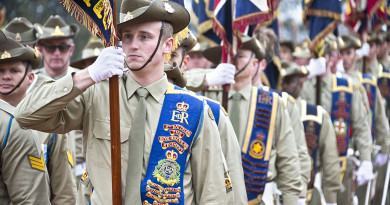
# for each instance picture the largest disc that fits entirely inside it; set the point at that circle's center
(317, 66)
(363, 51)
(380, 160)
(331, 203)
(364, 173)
(302, 201)
(223, 74)
(340, 66)
(109, 63)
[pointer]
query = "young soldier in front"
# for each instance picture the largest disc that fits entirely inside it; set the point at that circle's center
(159, 124)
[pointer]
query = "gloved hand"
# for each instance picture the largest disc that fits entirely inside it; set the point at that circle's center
(302, 201)
(364, 173)
(331, 203)
(223, 74)
(317, 66)
(109, 63)
(340, 66)
(363, 51)
(380, 160)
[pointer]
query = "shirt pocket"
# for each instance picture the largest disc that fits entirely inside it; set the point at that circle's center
(101, 130)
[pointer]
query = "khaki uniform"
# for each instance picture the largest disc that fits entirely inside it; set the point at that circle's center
(89, 111)
(75, 137)
(284, 157)
(300, 140)
(361, 130)
(24, 176)
(327, 157)
(382, 137)
(61, 168)
(386, 62)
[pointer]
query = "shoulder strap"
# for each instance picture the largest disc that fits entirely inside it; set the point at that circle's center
(8, 131)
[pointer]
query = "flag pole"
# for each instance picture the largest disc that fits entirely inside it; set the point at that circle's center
(115, 130)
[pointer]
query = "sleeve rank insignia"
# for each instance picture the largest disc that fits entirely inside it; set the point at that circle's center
(70, 158)
(211, 114)
(37, 163)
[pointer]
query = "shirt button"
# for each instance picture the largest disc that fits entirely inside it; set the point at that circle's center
(65, 89)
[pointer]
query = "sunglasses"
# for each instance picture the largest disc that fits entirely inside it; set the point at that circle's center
(51, 49)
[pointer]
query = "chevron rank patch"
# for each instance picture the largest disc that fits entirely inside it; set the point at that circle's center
(37, 163)
(70, 158)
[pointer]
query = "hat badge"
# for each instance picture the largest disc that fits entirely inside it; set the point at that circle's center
(168, 8)
(18, 38)
(57, 32)
(36, 52)
(128, 16)
(5, 55)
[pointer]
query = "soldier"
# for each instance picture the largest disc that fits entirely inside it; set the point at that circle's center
(160, 124)
(302, 54)
(286, 50)
(230, 147)
(320, 138)
(24, 177)
(378, 120)
(55, 146)
(344, 102)
(258, 156)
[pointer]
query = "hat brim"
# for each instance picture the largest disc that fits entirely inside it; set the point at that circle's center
(80, 62)
(179, 18)
(21, 53)
(176, 75)
(213, 54)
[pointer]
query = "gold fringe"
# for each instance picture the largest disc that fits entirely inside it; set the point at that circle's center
(323, 13)
(177, 38)
(75, 10)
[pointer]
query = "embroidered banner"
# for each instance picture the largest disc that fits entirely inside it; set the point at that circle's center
(180, 121)
(257, 144)
(369, 83)
(311, 116)
(341, 111)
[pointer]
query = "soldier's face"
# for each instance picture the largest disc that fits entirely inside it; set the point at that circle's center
(56, 53)
(292, 85)
(245, 58)
(373, 50)
(349, 58)
(285, 53)
(139, 42)
(11, 74)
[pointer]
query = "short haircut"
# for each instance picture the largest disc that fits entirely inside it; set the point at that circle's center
(167, 30)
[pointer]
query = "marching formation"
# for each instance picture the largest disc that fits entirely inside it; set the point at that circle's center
(297, 127)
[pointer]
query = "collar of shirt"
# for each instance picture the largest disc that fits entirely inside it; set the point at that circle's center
(245, 92)
(157, 89)
(7, 107)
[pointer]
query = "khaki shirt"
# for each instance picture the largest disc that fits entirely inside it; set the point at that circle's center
(284, 155)
(20, 182)
(300, 139)
(382, 134)
(386, 62)
(327, 157)
(61, 107)
(359, 123)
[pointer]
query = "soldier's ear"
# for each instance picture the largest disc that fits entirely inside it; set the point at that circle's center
(263, 64)
(168, 45)
(186, 61)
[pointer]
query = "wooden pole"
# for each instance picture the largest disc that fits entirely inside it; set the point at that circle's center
(115, 132)
(226, 87)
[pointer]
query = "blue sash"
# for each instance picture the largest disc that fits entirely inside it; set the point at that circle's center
(179, 124)
(341, 115)
(384, 86)
(215, 108)
(369, 83)
(258, 140)
(311, 116)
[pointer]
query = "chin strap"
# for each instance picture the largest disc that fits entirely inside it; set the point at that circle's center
(154, 52)
(257, 71)
(18, 85)
(246, 65)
